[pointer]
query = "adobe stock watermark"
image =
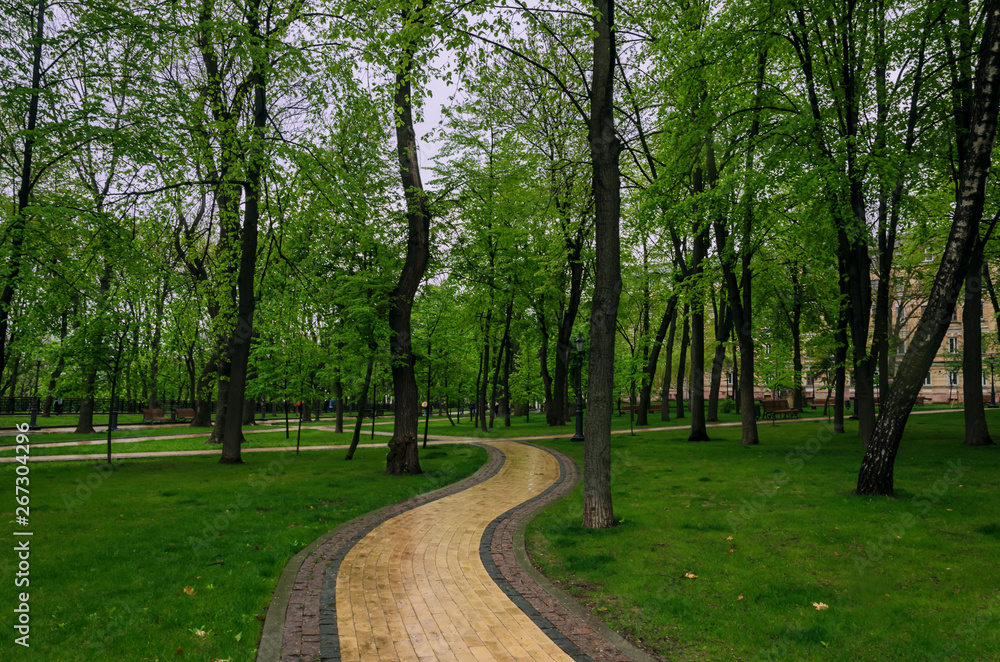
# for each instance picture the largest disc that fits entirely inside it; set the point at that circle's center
(220, 523)
(86, 486)
(796, 460)
(876, 549)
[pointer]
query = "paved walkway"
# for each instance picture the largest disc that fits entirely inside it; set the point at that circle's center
(440, 577)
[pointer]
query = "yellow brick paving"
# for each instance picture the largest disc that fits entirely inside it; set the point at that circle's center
(415, 588)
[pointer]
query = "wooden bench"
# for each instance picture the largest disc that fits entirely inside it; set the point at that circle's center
(774, 408)
(184, 414)
(153, 416)
(656, 406)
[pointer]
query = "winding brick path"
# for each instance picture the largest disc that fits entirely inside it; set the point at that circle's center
(437, 578)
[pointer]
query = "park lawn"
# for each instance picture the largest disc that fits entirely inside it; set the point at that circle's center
(130, 564)
(258, 439)
(907, 578)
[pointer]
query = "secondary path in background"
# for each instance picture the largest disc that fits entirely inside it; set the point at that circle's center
(440, 577)
(330, 428)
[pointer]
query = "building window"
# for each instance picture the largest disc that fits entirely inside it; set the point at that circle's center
(952, 378)
(954, 315)
(985, 382)
(927, 379)
(729, 378)
(767, 349)
(810, 381)
(901, 348)
(952, 345)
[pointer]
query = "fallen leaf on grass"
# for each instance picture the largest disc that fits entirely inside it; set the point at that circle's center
(690, 575)
(820, 606)
(730, 551)
(190, 590)
(729, 538)
(740, 597)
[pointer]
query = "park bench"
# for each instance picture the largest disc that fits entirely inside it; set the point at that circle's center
(774, 408)
(153, 416)
(656, 406)
(184, 414)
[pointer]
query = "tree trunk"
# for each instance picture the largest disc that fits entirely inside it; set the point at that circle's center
(338, 393)
(876, 474)
(203, 413)
(564, 337)
(840, 374)
(543, 361)
(502, 352)
(60, 364)
(604, 151)
(505, 395)
(649, 370)
(681, 365)
(362, 403)
(977, 433)
(699, 432)
(403, 451)
(668, 366)
(486, 377)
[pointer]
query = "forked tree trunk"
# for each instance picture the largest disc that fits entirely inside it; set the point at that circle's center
(243, 333)
(876, 474)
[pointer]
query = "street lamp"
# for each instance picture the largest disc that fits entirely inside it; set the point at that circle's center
(33, 425)
(579, 389)
(993, 388)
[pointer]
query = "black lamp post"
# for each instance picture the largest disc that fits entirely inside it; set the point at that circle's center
(993, 388)
(33, 424)
(263, 409)
(579, 389)
(113, 415)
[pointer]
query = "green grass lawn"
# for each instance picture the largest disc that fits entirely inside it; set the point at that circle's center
(113, 551)
(772, 529)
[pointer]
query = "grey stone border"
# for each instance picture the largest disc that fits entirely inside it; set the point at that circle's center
(591, 636)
